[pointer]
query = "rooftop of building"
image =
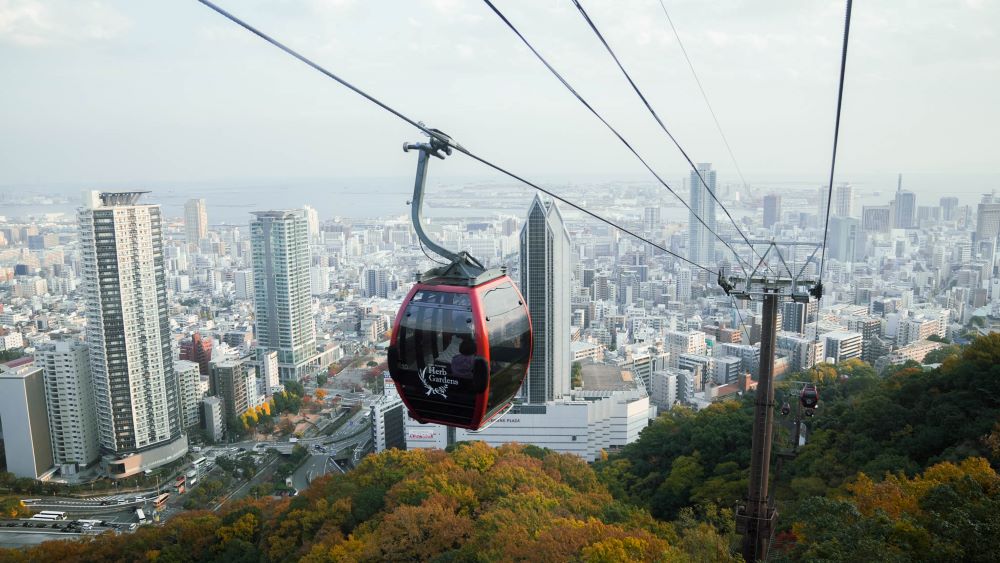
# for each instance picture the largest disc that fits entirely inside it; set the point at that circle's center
(602, 377)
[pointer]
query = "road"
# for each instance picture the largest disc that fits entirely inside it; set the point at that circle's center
(262, 475)
(120, 507)
(24, 538)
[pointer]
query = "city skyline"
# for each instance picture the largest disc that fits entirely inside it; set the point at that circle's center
(253, 300)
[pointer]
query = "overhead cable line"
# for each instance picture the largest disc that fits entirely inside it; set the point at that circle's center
(663, 126)
(704, 96)
(611, 128)
(444, 138)
(833, 159)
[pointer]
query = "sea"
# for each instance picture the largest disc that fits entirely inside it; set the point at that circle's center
(230, 202)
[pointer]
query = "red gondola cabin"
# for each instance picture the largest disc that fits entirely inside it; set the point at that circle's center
(459, 353)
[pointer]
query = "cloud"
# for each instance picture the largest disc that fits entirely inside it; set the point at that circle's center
(32, 23)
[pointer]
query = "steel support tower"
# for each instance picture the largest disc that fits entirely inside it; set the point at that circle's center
(771, 284)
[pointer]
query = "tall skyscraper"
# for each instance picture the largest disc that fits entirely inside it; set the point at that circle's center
(545, 284)
(283, 305)
(844, 238)
(312, 219)
(651, 218)
(876, 218)
(701, 242)
(195, 221)
(843, 201)
(948, 207)
(69, 401)
(772, 210)
(904, 207)
(822, 203)
(128, 333)
(988, 218)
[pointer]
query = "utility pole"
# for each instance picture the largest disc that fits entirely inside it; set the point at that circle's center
(756, 517)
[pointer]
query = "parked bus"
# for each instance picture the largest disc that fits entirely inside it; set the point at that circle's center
(198, 462)
(161, 500)
(192, 473)
(140, 515)
(56, 514)
(192, 482)
(44, 517)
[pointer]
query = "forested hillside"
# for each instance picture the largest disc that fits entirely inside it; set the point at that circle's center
(474, 504)
(898, 467)
(935, 433)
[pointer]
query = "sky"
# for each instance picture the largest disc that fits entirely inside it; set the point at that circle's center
(137, 91)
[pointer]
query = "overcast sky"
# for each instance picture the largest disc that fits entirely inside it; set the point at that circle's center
(151, 91)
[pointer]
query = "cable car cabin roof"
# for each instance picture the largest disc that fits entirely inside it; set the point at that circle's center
(459, 354)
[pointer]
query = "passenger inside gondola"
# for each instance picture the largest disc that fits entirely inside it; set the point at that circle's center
(462, 364)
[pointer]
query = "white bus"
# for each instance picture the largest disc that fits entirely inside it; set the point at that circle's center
(140, 515)
(57, 515)
(44, 517)
(191, 474)
(192, 483)
(198, 462)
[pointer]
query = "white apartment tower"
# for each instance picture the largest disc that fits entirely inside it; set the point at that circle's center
(69, 401)
(701, 241)
(136, 391)
(282, 300)
(189, 378)
(545, 284)
(195, 221)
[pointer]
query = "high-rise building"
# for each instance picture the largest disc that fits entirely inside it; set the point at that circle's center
(948, 207)
(283, 305)
(545, 250)
(823, 203)
(198, 350)
(189, 376)
(842, 345)
(312, 220)
(795, 315)
(988, 218)
(128, 333)
(876, 218)
(235, 381)
(376, 282)
(843, 201)
(844, 238)
(904, 208)
(772, 210)
(69, 401)
(701, 241)
(195, 221)
(243, 284)
(25, 424)
(678, 343)
(651, 218)
(319, 280)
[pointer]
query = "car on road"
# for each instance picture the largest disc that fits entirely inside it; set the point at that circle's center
(105, 502)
